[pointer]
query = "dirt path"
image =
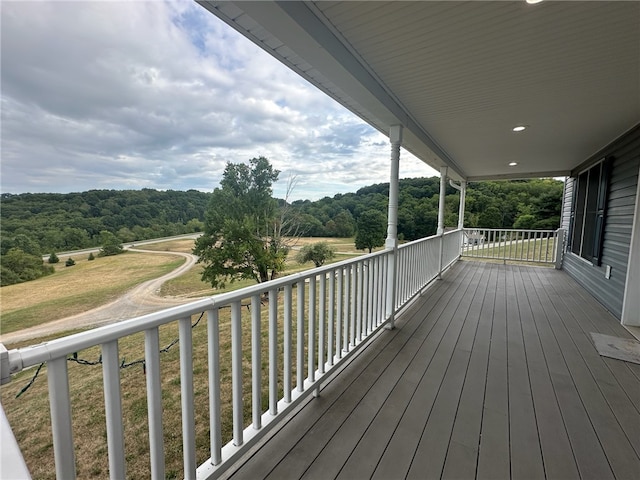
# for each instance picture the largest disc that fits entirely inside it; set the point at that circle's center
(140, 300)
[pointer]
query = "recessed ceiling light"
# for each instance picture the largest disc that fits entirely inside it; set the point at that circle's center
(533, 2)
(513, 164)
(519, 128)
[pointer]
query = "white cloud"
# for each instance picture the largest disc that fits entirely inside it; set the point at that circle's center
(162, 95)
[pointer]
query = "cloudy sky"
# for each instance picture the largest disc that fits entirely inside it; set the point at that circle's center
(152, 94)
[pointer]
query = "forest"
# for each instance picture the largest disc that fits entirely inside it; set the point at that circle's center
(36, 224)
(527, 204)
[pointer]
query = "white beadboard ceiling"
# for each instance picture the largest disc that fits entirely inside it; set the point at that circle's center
(460, 75)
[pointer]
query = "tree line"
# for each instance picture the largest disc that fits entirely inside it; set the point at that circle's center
(37, 224)
(526, 204)
(70, 221)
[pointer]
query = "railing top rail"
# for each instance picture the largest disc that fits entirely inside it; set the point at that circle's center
(44, 352)
(365, 320)
(453, 231)
(415, 242)
(47, 351)
(420, 240)
(479, 229)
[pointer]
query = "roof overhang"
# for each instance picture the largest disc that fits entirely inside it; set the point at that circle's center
(460, 75)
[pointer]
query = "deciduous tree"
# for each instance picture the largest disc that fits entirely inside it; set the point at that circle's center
(372, 226)
(243, 230)
(110, 244)
(18, 266)
(318, 253)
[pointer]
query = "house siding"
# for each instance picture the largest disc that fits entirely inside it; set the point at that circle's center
(618, 223)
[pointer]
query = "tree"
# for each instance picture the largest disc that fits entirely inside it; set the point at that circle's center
(318, 253)
(372, 228)
(91, 257)
(525, 222)
(344, 224)
(194, 225)
(110, 244)
(243, 231)
(53, 258)
(18, 266)
(70, 262)
(26, 244)
(491, 218)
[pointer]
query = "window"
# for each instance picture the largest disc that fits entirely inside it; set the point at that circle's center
(588, 211)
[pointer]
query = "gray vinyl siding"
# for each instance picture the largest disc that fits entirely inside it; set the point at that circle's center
(618, 224)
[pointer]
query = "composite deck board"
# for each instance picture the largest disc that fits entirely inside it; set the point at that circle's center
(557, 455)
(590, 458)
(493, 458)
(432, 449)
(623, 371)
(491, 373)
(579, 353)
(352, 431)
(526, 457)
(305, 452)
(462, 455)
(400, 450)
(585, 304)
(602, 369)
(377, 355)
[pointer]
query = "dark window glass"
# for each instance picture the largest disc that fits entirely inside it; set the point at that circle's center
(588, 212)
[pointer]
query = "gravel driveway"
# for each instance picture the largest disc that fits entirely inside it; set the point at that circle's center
(140, 300)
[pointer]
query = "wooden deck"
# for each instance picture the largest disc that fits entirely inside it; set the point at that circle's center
(490, 374)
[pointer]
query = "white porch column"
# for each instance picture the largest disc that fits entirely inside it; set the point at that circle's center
(443, 189)
(440, 232)
(463, 195)
(631, 299)
(395, 137)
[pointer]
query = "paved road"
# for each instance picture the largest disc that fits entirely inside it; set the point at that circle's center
(126, 246)
(138, 301)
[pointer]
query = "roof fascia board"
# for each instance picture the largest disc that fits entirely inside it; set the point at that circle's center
(520, 176)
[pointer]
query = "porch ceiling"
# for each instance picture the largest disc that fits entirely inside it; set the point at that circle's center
(460, 75)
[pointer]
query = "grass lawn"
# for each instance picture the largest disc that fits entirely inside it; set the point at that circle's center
(527, 250)
(89, 284)
(191, 285)
(72, 290)
(182, 245)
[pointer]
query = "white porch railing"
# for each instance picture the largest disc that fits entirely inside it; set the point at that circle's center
(315, 321)
(419, 263)
(537, 246)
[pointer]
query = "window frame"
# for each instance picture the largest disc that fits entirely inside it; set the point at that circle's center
(588, 211)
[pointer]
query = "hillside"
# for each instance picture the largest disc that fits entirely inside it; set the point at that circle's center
(33, 224)
(61, 222)
(529, 204)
